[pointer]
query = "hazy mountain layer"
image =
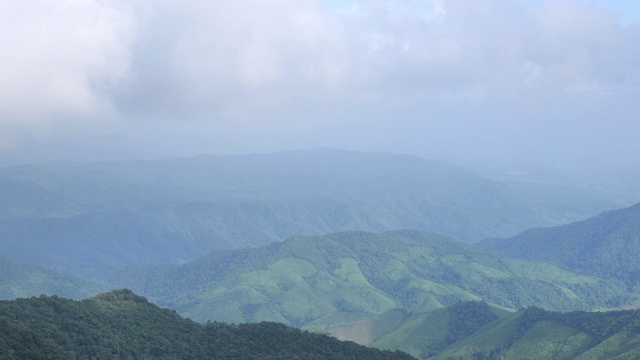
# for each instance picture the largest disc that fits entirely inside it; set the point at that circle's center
(605, 245)
(122, 325)
(24, 280)
(92, 219)
(307, 278)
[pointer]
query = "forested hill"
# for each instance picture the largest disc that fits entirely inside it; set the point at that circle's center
(122, 325)
(95, 218)
(306, 278)
(605, 245)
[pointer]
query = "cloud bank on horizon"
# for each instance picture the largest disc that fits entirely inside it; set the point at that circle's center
(543, 81)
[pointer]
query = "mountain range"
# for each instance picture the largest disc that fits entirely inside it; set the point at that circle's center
(318, 240)
(93, 219)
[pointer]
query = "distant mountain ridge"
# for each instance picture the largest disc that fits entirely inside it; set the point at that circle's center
(177, 209)
(605, 245)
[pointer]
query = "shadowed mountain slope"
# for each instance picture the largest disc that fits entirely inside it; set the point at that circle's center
(538, 334)
(605, 245)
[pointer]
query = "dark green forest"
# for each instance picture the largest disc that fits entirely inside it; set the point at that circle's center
(121, 325)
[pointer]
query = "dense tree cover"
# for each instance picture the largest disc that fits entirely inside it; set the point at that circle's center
(122, 325)
(465, 319)
(93, 219)
(306, 278)
(606, 245)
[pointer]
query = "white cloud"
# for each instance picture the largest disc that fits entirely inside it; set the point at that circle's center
(259, 65)
(56, 55)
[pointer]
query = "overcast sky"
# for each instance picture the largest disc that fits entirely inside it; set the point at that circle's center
(548, 81)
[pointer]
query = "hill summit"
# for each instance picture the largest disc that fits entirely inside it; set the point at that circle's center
(122, 325)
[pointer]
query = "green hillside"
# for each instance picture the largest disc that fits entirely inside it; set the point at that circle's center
(23, 280)
(307, 278)
(476, 330)
(427, 334)
(607, 245)
(538, 334)
(422, 335)
(122, 325)
(93, 219)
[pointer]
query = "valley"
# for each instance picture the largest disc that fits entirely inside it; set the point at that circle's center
(393, 252)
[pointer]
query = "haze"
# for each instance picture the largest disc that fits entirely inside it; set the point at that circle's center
(555, 82)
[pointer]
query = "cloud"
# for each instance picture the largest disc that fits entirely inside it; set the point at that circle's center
(245, 60)
(57, 55)
(230, 60)
(209, 67)
(495, 49)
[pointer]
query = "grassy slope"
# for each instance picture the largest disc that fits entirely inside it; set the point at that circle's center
(362, 328)
(538, 334)
(421, 335)
(306, 278)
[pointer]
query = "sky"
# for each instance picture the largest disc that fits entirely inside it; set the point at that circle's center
(555, 82)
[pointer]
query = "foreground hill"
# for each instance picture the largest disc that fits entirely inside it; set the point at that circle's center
(23, 280)
(306, 278)
(538, 334)
(605, 245)
(93, 219)
(122, 325)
